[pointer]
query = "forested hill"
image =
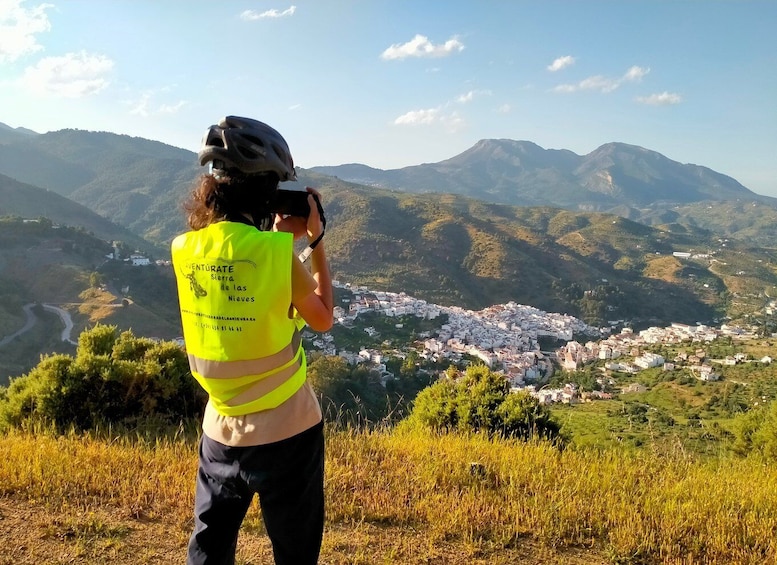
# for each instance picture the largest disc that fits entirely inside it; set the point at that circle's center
(134, 182)
(30, 202)
(454, 250)
(140, 183)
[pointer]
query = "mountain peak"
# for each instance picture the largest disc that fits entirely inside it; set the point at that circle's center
(508, 171)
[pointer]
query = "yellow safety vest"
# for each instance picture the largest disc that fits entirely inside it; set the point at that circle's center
(234, 291)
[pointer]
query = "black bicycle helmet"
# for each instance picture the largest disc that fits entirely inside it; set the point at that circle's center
(248, 146)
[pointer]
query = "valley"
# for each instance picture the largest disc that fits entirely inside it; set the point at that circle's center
(435, 232)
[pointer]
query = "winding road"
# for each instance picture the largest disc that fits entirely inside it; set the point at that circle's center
(64, 315)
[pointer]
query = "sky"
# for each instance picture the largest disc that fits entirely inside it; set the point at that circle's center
(394, 83)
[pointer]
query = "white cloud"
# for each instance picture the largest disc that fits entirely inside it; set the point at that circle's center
(19, 27)
(140, 107)
(635, 74)
(432, 116)
(561, 62)
(417, 117)
(420, 46)
(599, 83)
(604, 84)
(504, 109)
(172, 108)
(72, 75)
(145, 107)
(565, 88)
(470, 96)
(662, 99)
(251, 15)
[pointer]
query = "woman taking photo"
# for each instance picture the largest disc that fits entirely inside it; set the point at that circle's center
(244, 297)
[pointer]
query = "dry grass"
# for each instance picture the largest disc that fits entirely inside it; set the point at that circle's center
(400, 497)
(666, 268)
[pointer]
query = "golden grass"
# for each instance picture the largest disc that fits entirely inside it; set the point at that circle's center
(486, 498)
(665, 267)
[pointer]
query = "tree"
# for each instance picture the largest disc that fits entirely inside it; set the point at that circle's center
(349, 395)
(481, 401)
(95, 279)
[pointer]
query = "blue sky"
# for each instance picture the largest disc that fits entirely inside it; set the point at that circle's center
(392, 83)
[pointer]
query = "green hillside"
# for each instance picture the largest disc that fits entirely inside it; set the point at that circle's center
(27, 201)
(456, 251)
(446, 249)
(41, 263)
(134, 182)
(449, 249)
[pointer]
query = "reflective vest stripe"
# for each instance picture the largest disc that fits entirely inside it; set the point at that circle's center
(265, 386)
(265, 394)
(210, 369)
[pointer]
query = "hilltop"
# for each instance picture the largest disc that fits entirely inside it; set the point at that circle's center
(473, 501)
(452, 250)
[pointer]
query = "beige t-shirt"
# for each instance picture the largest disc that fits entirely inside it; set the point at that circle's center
(299, 413)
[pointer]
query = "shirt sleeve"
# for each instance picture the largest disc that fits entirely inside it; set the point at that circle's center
(302, 282)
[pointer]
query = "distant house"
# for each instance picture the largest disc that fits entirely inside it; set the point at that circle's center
(648, 360)
(707, 374)
(139, 260)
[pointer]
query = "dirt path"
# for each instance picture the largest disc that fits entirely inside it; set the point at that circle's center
(31, 533)
(32, 319)
(67, 321)
(29, 322)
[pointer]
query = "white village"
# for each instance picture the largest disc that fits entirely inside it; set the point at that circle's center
(505, 337)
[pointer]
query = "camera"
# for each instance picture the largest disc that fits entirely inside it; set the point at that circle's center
(290, 203)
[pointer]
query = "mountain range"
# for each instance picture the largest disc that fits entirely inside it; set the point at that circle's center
(134, 182)
(505, 220)
(522, 173)
(139, 183)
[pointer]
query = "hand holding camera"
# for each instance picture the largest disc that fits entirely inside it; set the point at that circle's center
(290, 203)
(299, 213)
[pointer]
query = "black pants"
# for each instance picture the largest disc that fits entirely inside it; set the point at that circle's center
(288, 476)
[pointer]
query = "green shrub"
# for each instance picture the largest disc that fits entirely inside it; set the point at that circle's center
(113, 378)
(481, 401)
(756, 432)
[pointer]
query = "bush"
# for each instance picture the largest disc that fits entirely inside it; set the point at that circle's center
(756, 432)
(114, 378)
(481, 401)
(352, 396)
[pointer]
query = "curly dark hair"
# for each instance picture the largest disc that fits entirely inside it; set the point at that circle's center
(216, 199)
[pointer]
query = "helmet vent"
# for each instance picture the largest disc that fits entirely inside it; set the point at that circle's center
(254, 140)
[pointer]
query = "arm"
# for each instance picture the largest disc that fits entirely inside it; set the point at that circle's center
(315, 307)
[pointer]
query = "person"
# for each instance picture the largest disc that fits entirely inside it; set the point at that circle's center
(244, 297)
